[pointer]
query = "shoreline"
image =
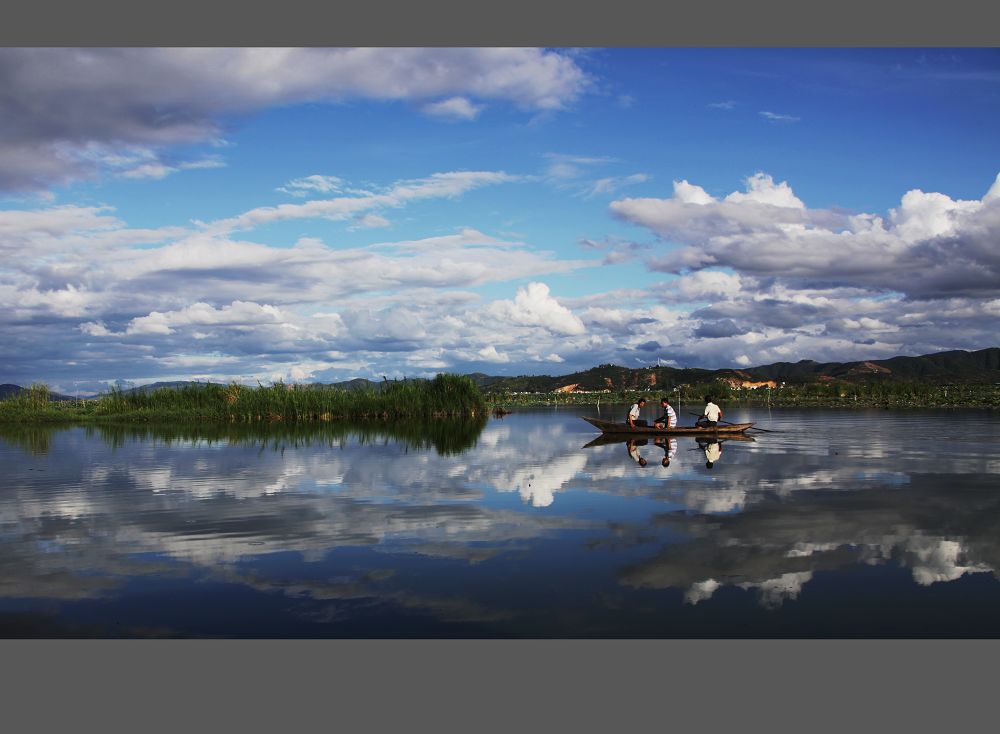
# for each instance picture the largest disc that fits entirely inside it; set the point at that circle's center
(985, 396)
(449, 397)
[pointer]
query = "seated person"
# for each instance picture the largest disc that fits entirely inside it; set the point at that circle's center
(633, 414)
(669, 417)
(712, 415)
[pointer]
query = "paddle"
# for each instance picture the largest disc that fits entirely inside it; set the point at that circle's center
(751, 428)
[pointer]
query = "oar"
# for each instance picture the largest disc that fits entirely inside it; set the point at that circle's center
(751, 428)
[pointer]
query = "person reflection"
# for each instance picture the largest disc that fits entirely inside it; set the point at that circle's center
(633, 451)
(713, 451)
(669, 446)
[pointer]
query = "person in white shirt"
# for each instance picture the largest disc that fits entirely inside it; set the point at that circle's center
(633, 451)
(712, 415)
(633, 413)
(669, 417)
(713, 451)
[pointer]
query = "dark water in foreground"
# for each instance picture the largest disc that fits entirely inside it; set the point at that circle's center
(847, 524)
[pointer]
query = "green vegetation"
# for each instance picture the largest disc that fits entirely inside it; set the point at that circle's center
(444, 396)
(403, 402)
(896, 394)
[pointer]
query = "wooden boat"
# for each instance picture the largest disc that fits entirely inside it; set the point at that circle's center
(623, 428)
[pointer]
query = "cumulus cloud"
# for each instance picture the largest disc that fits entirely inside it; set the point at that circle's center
(533, 306)
(143, 303)
(708, 285)
(60, 103)
(237, 314)
(770, 279)
(490, 354)
(694, 215)
(781, 281)
(931, 246)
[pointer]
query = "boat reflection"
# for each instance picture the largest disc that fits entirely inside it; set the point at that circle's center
(711, 447)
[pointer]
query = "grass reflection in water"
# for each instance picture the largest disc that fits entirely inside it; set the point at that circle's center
(447, 436)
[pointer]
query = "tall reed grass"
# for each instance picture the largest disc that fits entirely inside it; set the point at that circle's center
(444, 396)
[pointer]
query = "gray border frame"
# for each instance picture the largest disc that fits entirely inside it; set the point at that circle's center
(472, 686)
(507, 23)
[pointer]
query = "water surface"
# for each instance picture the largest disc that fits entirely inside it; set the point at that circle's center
(846, 523)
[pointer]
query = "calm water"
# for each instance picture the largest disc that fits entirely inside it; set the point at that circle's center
(848, 524)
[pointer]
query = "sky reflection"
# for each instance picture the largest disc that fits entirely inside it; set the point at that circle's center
(376, 536)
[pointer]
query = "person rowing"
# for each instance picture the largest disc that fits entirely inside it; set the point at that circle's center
(711, 416)
(669, 417)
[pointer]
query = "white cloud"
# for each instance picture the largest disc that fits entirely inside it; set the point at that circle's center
(937, 560)
(923, 216)
(316, 183)
(700, 591)
(454, 108)
(157, 169)
(727, 105)
(775, 592)
(370, 221)
(490, 354)
(688, 193)
(692, 214)
(94, 328)
(438, 185)
(776, 117)
(708, 285)
(533, 306)
(153, 98)
(930, 246)
(237, 314)
(762, 189)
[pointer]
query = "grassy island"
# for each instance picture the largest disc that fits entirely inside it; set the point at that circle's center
(444, 396)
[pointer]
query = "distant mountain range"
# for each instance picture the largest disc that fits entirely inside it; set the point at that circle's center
(982, 366)
(957, 366)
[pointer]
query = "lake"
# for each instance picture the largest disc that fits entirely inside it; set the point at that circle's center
(838, 524)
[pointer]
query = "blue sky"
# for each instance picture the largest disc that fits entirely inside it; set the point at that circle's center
(321, 214)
